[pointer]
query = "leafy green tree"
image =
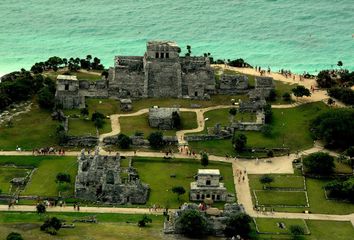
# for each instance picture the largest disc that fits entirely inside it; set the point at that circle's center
(98, 122)
(41, 209)
(233, 112)
(346, 95)
(156, 139)
(267, 130)
(179, 190)
(192, 223)
(238, 224)
(297, 231)
(204, 160)
(98, 119)
(97, 115)
(63, 177)
(51, 226)
(145, 220)
(335, 127)
(286, 97)
(14, 236)
(61, 135)
(176, 119)
(266, 179)
(350, 152)
(46, 98)
(301, 91)
(272, 95)
(325, 80)
(319, 163)
(268, 113)
(124, 141)
(239, 141)
(85, 111)
(270, 154)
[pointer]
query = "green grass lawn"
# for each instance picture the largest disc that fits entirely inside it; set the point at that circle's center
(280, 89)
(281, 198)
(83, 127)
(329, 230)
(280, 181)
(223, 117)
(156, 172)
(34, 129)
(270, 225)
(131, 125)
(43, 179)
(283, 125)
(7, 174)
(109, 226)
(315, 193)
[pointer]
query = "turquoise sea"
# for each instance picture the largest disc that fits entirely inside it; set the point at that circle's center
(301, 35)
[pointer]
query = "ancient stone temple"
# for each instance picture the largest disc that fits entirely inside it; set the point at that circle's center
(208, 185)
(101, 178)
(161, 72)
(67, 93)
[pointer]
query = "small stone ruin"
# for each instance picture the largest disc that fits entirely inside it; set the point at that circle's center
(102, 178)
(162, 118)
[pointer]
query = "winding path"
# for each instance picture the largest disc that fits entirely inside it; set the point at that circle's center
(277, 165)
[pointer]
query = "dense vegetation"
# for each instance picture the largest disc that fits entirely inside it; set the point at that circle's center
(346, 95)
(319, 163)
(21, 86)
(73, 64)
(341, 189)
(331, 78)
(335, 127)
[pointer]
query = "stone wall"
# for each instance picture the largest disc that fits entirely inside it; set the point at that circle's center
(98, 89)
(82, 141)
(233, 84)
(205, 137)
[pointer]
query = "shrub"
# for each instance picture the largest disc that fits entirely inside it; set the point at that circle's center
(346, 95)
(144, 221)
(176, 119)
(270, 154)
(192, 223)
(46, 98)
(98, 122)
(301, 91)
(51, 226)
(97, 115)
(341, 189)
(296, 231)
(272, 95)
(179, 190)
(204, 160)
(267, 130)
(14, 236)
(286, 97)
(156, 139)
(335, 127)
(266, 179)
(268, 113)
(239, 141)
(325, 80)
(63, 177)
(124, 141)
(319, 163)
(238, 224)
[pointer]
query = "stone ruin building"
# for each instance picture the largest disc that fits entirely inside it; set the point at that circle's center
(208, 186)
(102, 179)
(216, 219)
(233, 84)
(160, 73)
(162, 118)
(68, 94)
(262, 88)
